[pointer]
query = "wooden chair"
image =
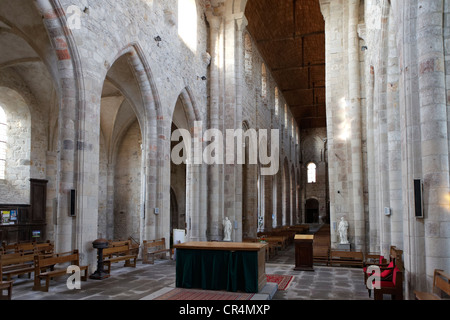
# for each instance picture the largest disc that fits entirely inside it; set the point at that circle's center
(393, 287)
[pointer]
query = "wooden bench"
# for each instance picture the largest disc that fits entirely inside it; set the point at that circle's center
(441, 285)
(28, 248)
(8, 248)
(392, 287)
(152, 248)
(45, 248)
(16, 264)
(321, 254)
(271, 248)
(42, 263)
(6, 285)
(119, 253)
(349, 258)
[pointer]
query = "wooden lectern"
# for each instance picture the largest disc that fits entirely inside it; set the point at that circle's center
(304, 252)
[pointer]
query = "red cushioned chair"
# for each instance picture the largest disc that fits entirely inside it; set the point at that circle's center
(386, 272)
(392, 287)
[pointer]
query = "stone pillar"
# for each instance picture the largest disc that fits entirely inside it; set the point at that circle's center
(394, 138)
(381, 136)
(234, 24)
(356, 130)
(109, 203)
(371, 171)
(75, 146)
(413, 242)
(434, 134)
(214, 221)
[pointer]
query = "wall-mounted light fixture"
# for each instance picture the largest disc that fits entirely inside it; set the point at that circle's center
(364, 48)
(202, 78)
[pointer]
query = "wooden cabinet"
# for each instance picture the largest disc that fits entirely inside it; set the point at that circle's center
(27, 221)
(38, 200)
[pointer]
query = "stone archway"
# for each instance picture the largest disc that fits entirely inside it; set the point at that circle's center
(312, 211)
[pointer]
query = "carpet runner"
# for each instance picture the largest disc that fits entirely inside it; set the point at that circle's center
(283, 281)
(192, 294)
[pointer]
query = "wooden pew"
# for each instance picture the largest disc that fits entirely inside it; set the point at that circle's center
(152, 248)
(321, 254)
(271, 248)
(119, 253)
(441, 284)
(8, 248)
(16, 264)
(322, 246)
(346, 258)
(278, 241)
(42, 263)
(6, 285)
(34, 248)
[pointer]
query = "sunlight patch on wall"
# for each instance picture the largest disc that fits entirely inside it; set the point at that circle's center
(187, 23)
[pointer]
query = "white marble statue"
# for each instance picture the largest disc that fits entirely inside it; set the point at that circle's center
(343, 231)
(227, 229)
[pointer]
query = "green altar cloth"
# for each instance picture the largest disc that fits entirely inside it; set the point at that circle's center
(217, 270)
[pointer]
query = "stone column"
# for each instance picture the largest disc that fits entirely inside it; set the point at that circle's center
(372, 172)
(394, 141)
(214, 224)
(78, 157)
(381, 135)
(241, 24)
(413, 242)
(434, 134)
(355, 115)
(234, 24)
(109, 203)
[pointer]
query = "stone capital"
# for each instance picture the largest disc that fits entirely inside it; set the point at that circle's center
(213, 20)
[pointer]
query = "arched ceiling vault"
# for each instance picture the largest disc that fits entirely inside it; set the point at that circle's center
(290, 35)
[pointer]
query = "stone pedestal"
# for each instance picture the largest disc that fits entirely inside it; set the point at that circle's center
(344, 247)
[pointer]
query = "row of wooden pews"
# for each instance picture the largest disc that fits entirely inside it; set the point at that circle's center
(19, 259)
(322, 245)
(41, 260)
(278, 239)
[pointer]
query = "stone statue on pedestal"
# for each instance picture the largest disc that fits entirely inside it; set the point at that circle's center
(343, 231)
(227, 229)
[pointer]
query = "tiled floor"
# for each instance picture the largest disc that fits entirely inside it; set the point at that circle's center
(325, 283)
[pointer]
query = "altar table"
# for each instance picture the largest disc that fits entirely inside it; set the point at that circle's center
(224, 266)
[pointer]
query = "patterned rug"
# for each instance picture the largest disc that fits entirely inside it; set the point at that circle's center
(283, 281)
(191, 294)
